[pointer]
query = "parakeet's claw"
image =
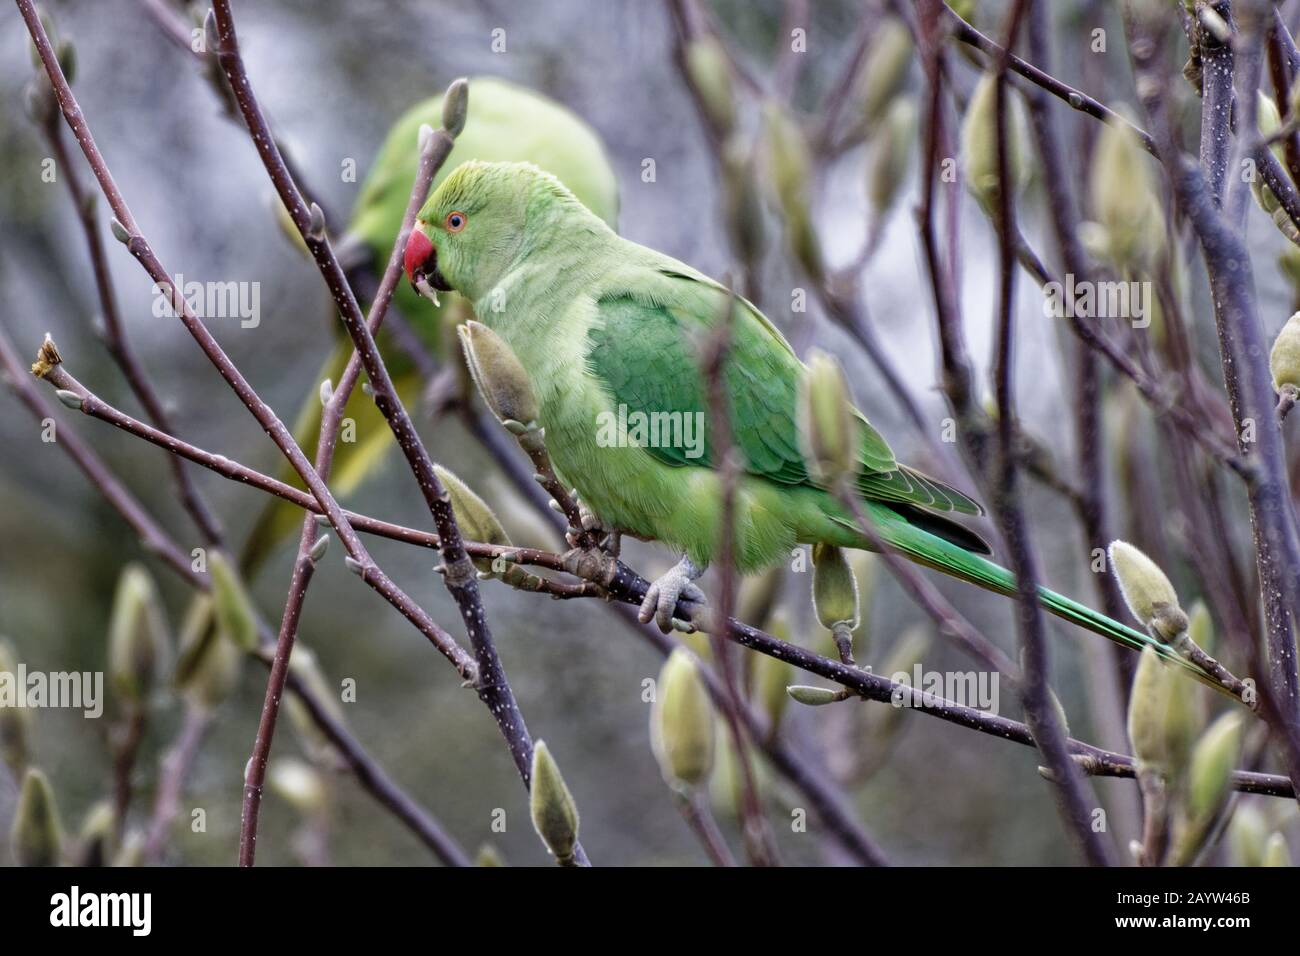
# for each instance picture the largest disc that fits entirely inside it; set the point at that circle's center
(662, 596)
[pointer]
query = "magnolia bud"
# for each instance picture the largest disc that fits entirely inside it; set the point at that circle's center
(304, 666)
(771, 677)
(979, 145)
(1123, 198)
(554, 814)
(501, 379)
(1276, 852)
(299, 784)
(681, 722)
(1163, 718)
(790, 163)
(813, 696)
(1268, 121)
(1212, 764)
(488, 855)
(710, 74)
(1148, 593)
(1146, 710)
(742, 204)
(835, 591)
(97, 841)
(1284, 359)
(236, 617)
(892, 162)
(209, 663)
(37, 835)
(476, 520)
(1247, 833)
(67, 57)
(15, 722)
(828, 428)
(455, 107)
(288, 228)
(885, 69)
(137, 636)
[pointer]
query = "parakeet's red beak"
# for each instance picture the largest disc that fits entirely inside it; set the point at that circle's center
(421, 264)
(418, 250)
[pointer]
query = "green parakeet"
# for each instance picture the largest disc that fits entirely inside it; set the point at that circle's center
(505, 122)
(608, 332)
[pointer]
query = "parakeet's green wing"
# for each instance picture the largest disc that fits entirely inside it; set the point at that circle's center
(645, 349)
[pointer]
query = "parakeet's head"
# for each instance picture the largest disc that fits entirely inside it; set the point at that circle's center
(483, 218)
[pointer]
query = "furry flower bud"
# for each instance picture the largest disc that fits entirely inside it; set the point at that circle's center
(1284, 359)
(979, 145)
(1150, 596)
(681, 722)
(811, 696)
(835, 590)
(498, 373)
(236, 617)
(828, 426)
(1123, 198)
(710, 74)
(551, 806)
(477, 521)
(1212, 764)
(208, 664)
(137, 636)
(37, 834)
(885, 70)
(455, 107)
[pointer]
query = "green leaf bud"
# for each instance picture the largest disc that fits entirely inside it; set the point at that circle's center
(455, 107)
(498, 373)
(236, 617)
(1284, 359)
(811, 696)
(885, 69)
(37, 834)
(710, 74)
(1213, 761)
(137, 636)
(682, 723)
(1147, 591)
(209, 664)
(551, 806)
(828, 428)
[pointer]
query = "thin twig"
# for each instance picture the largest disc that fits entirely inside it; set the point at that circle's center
(458, 572)
(372, 777)
(1250, 394)
(1043, 719)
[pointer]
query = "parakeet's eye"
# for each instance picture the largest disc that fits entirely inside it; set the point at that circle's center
(455, 221)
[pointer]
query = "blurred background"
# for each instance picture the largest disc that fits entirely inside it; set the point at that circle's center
(334, 76)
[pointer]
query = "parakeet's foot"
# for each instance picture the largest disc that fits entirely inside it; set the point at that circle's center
(662, 596)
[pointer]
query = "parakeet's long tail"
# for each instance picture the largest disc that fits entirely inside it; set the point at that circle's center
(934, 552)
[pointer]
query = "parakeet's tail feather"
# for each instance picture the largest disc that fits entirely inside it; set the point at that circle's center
(926, 548)
(942, 527)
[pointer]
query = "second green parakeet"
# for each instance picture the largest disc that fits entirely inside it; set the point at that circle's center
(505, 121)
